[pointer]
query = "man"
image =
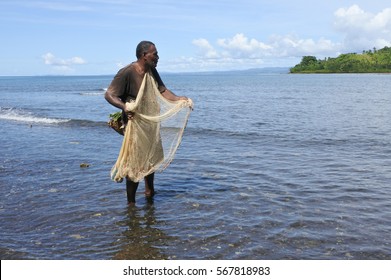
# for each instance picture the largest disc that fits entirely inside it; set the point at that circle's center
(125, 87)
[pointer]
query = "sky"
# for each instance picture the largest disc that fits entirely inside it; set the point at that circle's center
(98, 37)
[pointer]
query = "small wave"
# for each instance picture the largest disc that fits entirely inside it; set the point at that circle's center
(94, 92)
(20, 115)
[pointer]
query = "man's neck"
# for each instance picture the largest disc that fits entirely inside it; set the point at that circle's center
(141, 67)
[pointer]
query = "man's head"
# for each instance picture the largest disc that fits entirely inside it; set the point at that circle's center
(143, 48)
(147, 52)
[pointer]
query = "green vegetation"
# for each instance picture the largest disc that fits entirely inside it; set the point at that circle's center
(116, 116)
(372, 61)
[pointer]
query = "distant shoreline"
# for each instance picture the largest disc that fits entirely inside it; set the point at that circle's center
(369, 62)
(319, 72)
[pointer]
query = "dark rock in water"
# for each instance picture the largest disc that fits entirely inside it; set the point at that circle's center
(84, 165)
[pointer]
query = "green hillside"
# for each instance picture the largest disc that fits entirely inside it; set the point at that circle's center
(372, 61)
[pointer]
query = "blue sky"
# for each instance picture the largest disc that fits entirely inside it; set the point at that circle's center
(93, 37)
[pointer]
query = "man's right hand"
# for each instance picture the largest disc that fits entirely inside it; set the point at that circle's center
(129, 114)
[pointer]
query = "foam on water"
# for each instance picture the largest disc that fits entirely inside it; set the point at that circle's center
(20, 115)
(95, 92)
(92, 93)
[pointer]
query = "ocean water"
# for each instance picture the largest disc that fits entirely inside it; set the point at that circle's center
(271, 166)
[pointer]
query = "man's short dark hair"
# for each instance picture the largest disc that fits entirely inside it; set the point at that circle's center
(142, 48)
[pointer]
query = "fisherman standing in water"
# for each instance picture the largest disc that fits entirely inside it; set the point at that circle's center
(125, 87)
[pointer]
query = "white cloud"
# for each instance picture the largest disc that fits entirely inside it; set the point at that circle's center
(292, 46)
(62, 64)
(243, 52)
(363, 30)
(205, 48)
(240, 46)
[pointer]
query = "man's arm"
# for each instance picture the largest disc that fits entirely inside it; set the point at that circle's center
(168, 94)
(114, 93)
(116, 89)
(114, 100)
(117, 102)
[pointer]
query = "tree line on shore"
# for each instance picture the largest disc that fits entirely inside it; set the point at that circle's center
(371, 61)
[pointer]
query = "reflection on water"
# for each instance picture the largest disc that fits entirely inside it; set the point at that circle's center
(141, 238)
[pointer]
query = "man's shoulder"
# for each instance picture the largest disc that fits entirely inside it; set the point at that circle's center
(127, 69)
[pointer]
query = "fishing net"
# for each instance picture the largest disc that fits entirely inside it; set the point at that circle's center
(153, 135)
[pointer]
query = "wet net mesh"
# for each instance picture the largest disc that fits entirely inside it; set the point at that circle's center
(153, 135)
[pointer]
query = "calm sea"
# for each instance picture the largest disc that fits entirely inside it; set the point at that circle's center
(271, 166)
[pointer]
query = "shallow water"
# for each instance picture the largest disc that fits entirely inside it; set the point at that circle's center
(271, 166)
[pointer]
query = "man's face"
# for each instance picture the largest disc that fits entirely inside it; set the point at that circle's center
(151, 57)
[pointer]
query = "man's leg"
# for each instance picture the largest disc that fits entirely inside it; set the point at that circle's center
(131, 188)
(149, 186)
